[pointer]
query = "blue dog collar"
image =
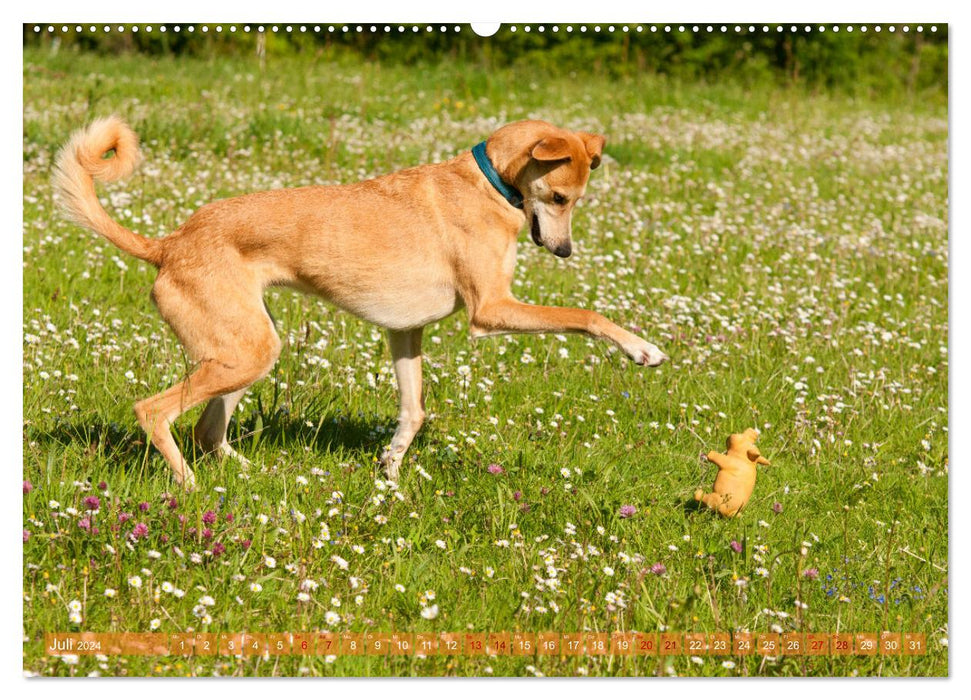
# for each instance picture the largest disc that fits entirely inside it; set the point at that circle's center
(511, 194)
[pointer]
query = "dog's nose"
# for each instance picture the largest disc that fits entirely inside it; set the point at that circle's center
(563, 250)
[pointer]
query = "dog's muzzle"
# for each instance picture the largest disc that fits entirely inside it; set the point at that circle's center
(534, 231)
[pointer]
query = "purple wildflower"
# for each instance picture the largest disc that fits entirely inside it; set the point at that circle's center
(776, 507)
(84, 523)
(218, 548)
(28, 487)
(517, 496)
(659, 569)
(209, 517)
(26, 536)
(102, 486)
(143, 506)
(140, 530)
(124, 517)
(736, 546)
(92, 503)
(495, 469)
(811, 573)
(627, 511)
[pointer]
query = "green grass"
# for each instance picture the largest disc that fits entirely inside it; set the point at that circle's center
(788, 251)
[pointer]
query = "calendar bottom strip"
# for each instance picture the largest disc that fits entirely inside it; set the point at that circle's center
(486, 644)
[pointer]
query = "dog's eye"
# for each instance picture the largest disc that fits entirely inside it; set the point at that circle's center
(558, 198)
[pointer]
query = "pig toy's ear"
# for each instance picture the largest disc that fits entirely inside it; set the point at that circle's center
(755, 456)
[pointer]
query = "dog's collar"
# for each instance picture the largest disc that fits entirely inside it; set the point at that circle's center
(511, 194)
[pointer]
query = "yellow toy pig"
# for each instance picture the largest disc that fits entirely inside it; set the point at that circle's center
(736, 474)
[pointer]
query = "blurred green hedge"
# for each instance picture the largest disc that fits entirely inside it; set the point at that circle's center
(855, 61)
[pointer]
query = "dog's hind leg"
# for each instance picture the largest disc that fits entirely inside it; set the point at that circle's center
(210, 430)
(406, 353)
(227, 332)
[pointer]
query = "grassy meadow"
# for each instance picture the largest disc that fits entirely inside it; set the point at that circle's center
(788, 250)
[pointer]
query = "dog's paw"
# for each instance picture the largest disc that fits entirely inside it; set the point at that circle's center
(188, 483)
(645, 354)
(392, 464)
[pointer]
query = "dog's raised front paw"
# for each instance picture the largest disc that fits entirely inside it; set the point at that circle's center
(646, 354)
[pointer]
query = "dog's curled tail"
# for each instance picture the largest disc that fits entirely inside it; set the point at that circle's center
(81, 162)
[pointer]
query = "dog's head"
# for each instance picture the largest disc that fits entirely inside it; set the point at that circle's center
(550, 167)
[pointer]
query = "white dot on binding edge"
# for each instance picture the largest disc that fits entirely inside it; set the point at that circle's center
(485, 29)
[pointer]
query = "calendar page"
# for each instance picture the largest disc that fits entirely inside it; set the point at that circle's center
(524, 349)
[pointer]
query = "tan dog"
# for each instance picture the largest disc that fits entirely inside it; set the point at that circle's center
(401, 251)
(736, 474)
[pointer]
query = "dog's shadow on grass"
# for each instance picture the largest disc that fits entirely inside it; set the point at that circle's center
(322, 433)
(117, 441)
(126, 444)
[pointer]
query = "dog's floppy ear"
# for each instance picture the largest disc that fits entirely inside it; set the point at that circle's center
(595, 147)
(551, 148)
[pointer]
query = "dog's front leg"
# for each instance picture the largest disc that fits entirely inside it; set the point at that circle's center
(511, 316)
(406, 353)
